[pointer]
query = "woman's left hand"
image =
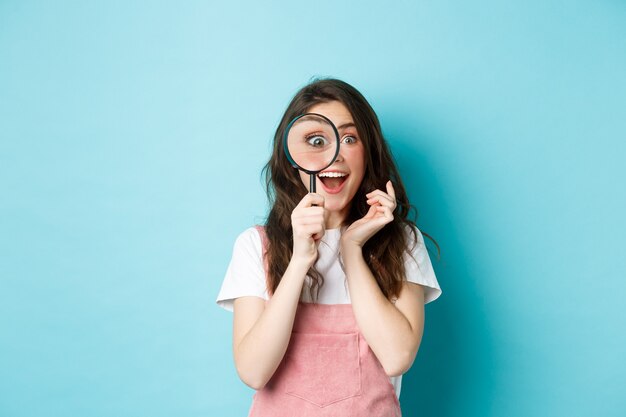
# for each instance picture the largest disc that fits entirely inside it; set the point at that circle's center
(380, 213)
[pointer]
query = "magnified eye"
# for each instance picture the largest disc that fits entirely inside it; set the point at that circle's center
(317, 140)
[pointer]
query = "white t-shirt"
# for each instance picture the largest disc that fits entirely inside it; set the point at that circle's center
(245, 275)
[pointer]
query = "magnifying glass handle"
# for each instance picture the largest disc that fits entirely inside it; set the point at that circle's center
(312, 186)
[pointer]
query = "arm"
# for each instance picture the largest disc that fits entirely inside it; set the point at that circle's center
(261, 332)
(393, 331)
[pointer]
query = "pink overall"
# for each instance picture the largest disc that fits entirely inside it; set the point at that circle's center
(328, 370)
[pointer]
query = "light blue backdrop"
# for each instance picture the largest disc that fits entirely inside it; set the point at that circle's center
(132, 139)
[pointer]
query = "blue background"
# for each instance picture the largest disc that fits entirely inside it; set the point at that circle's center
(132, 139)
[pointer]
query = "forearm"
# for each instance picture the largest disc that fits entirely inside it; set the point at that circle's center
(386, 330)
(262, 349)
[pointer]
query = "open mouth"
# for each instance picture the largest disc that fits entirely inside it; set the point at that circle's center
(333, 184)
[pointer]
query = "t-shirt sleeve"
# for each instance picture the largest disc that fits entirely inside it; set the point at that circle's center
(419, 269)
(245, 275)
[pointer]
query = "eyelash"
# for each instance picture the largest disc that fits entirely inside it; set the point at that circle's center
(312, 135)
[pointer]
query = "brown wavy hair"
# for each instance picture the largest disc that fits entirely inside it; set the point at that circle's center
(383, 252)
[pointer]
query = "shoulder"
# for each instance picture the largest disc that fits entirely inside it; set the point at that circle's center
(418, 266)
(251, 233)
(249, 239)
(412, 233)
(415, 245)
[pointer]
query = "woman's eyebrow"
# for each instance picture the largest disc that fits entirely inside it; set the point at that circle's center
(343, 126)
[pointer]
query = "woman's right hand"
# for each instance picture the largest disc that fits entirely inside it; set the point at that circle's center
(308, 226)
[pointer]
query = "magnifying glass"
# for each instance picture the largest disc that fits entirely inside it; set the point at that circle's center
(311, 142)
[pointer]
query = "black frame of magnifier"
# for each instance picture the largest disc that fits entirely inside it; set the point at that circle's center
(294, 164)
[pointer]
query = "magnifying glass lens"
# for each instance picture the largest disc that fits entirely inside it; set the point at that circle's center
(312, 142)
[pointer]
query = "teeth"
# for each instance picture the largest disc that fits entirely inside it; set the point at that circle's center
(332, 174)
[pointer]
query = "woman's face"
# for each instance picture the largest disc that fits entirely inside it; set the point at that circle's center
(338, 192)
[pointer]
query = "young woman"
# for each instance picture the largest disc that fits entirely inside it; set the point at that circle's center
(328, 296)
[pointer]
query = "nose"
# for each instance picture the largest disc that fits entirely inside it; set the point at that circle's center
(339, 156)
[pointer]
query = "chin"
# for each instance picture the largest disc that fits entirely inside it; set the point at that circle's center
(335, 205)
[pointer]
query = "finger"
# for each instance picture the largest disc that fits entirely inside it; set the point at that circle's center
(311, 227)
(386, 211)
(390, 190)
(309, 220)
(384, 201)
(311, 230)
(317, 232)
(391, 196)
(382, 198)
(371, 212)
(379, 216)
(378, 192)
(310, 199)
(309, 211)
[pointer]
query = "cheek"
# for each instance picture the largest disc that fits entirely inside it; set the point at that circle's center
(357, 161)
(304, 177)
